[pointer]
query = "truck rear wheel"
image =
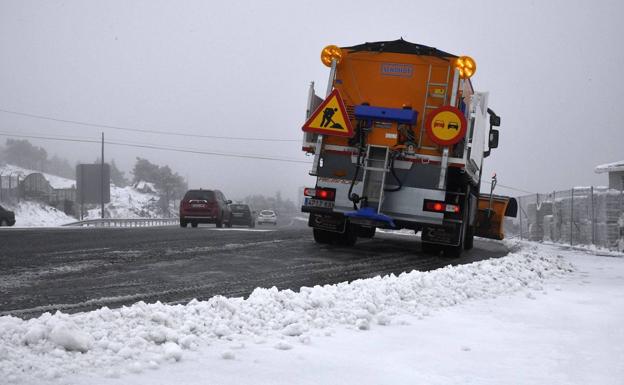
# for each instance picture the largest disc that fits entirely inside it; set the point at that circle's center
(431, 248)
(349, 237)
(453, 251)
(366, 232)
(323, 236)
(469, 239)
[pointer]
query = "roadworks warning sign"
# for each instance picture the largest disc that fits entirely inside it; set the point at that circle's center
(330, 118)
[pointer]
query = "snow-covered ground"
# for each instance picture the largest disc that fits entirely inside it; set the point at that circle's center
(35, 214)
(126, 202)
(541, 315)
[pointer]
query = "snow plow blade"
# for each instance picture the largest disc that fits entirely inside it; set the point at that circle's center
(492, 210)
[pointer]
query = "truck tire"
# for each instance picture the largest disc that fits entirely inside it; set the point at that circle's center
(349, 237)
(431, 248)
(452, 252)
(194, 224)
(366, 232)
(4, 222)
(323, 237)
(183, 223)
(469, 239)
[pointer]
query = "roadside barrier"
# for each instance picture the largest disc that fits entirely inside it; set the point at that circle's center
(119, 222)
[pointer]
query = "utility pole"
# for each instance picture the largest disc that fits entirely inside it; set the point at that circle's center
(102, 176)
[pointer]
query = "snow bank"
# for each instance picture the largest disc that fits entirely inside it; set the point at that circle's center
(127, 202)
(31, 214)
(131, 339)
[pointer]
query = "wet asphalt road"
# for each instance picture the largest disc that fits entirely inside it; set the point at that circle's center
(76, 269)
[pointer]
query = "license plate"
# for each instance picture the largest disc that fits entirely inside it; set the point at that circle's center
(319, 203)
(198, 205)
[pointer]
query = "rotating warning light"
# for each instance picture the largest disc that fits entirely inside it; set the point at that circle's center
(329, 53)
(466, 66)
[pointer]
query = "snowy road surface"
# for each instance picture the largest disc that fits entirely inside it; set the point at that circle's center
(83, 269)
(540, 315)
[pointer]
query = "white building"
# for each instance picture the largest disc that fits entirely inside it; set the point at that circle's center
(616, 174)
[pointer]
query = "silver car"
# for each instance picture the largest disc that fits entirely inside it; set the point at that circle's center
(267, 216)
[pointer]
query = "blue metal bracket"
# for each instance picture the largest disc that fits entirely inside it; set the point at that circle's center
(372, 215)
(381, 113)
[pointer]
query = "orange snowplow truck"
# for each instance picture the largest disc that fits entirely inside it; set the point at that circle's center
(398, 143)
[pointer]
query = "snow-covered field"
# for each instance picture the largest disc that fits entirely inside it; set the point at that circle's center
(542, 314)
(126, 202)
(35, 214)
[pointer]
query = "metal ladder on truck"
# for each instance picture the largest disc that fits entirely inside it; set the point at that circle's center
(427, 107)
(376, 167)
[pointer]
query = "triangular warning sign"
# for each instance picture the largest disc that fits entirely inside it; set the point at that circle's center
(330, 118)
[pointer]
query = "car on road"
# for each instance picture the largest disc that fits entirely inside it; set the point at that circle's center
(205, 206)
(7, 217)
(267, 216)
(242, 215)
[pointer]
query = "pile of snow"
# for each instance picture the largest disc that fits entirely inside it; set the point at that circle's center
(36, 214)
(146, 336)
(127, 202)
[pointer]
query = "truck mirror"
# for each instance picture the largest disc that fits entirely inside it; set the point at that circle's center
(495, 120)
(493, 140)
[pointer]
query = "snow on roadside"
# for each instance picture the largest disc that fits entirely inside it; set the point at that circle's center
(132, 339)
(36, 214)
(126, 202)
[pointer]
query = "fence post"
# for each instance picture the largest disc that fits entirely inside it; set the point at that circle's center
(593, 225)
(0, 187)
(571, 216)
(520, 214)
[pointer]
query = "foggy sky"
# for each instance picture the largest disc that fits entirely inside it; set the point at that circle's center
(553, 69)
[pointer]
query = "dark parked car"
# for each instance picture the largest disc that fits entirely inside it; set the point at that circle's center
(242, 215)
(7, 218)
(205, 206)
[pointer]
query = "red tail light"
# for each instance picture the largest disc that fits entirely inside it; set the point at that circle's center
(327, 194)
(441, 207)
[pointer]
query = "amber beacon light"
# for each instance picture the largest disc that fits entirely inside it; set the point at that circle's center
(329, 53)
(466, 66)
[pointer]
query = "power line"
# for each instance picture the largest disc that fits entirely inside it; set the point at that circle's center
(193, 151)
(155, 147)
(511, 188)
(87, 124)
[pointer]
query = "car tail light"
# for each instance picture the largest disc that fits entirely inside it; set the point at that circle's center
(327, 194)
(441, 207)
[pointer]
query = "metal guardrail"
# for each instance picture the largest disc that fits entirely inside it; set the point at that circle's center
(120, 222)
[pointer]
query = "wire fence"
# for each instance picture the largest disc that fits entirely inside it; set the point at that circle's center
(9, 188)
(579, 216)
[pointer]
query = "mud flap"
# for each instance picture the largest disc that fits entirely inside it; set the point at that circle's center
(491, 213)
(329, 222)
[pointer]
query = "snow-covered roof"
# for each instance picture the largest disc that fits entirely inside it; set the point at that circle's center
(55, 181)
(610, 167)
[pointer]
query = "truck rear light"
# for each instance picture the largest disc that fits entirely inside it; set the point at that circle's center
(441, 207)
(327, 194)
